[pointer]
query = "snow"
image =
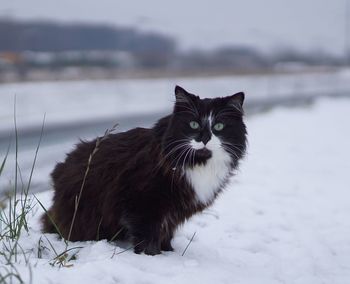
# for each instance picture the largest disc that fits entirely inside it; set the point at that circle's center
(283, 219)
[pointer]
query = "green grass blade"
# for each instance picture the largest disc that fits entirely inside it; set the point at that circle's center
(48, 215)
(53, 248)
(36, 154)
(5, 159)
(25, 192)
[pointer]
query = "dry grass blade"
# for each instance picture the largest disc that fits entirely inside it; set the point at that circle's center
(77, 199)
(124, 250)
(188, 244)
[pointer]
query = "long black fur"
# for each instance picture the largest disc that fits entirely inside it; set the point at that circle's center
(135, 189)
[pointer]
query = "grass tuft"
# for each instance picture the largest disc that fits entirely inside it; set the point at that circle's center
(14, 210)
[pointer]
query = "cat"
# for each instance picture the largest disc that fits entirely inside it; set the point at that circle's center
(143, 183)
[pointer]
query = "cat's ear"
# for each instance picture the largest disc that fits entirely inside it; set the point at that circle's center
(236, 100)
(184, 99)
(182, 96)
(180, 93)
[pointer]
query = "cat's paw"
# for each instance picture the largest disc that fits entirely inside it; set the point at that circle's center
(167, 247)
(149, 249)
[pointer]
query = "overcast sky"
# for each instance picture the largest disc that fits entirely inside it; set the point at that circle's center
(264, 24)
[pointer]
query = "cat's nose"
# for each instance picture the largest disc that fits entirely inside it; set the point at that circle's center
(206, 138)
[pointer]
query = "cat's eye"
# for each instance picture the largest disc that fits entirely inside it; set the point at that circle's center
(194, 124)
(219, 126)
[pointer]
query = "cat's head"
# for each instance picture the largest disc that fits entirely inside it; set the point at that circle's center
(203, 129)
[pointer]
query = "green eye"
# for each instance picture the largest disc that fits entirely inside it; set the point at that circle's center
(219, 126)
(194, 124)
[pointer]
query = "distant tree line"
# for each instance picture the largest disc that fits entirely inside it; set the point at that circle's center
(54, 37)
(26, 45)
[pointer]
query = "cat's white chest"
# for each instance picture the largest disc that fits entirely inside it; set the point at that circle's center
(207, 179)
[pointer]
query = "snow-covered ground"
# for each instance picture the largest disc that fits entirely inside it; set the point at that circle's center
(284, 218)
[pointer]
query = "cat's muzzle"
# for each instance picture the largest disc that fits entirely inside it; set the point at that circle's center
(203, 154)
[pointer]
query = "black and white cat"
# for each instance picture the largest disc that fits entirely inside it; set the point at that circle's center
(143, 183)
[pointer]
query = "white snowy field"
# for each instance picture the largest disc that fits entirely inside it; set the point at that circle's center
(283, 219)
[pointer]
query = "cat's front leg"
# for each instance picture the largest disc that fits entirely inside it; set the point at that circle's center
(146, 238)
(167, 236)
(166, 245)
